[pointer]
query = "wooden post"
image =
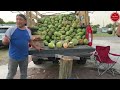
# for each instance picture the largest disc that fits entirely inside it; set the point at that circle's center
(28, 21)
(30, 14)
(65, 68)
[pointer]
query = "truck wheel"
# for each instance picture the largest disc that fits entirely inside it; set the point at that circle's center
(53, 59)
(38, 61)
(82, 61)
(56, 61)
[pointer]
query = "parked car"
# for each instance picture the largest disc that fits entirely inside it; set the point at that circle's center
(110, 30)
(3, 29)
(104, 30)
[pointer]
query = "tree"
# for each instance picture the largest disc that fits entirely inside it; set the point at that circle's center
(1, 21)
(113, 26)
(116, 25)
(96, 26)
(109, 25)
(10, 22)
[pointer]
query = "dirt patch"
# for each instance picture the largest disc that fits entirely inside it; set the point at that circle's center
(3, 60)
(79, 72)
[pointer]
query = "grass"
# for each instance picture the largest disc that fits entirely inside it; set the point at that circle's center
(102, 35)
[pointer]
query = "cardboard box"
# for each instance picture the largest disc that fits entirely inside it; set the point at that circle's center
(36, 37)
(38, 41)
(39, 44)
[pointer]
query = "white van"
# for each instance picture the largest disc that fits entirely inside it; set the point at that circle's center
(3, 29)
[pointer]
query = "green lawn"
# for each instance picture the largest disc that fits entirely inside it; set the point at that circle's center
(102, 35)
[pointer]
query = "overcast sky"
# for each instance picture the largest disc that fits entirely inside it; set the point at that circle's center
(98, 17)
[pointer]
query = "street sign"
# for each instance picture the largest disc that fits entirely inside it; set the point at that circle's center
(115, 17)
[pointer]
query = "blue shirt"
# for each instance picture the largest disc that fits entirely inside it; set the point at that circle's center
(19, 39)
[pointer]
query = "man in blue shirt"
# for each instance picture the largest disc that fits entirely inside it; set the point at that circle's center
(18, 37)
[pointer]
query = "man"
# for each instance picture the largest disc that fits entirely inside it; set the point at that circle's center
(18, 38)
(118, 31)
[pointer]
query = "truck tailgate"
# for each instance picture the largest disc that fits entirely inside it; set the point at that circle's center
(80, 51)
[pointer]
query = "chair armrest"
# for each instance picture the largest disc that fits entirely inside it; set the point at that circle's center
(114, 54)
(93, 53)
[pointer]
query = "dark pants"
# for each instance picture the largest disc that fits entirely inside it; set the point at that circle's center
(12, 68)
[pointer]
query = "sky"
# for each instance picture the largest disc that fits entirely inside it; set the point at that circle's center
(97, 17)
(102, 17)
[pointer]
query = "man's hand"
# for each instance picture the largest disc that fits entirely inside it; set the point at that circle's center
(38, 48)
(118, 31)
(34, 46)
(6, 40)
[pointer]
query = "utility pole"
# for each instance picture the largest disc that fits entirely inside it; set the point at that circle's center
(103, 24)
(114, 26)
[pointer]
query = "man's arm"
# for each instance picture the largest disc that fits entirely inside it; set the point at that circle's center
(8, 34)
(118, 31)
(31, 41)
(6, 38)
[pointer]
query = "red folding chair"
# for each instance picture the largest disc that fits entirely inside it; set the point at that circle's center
(101, 56)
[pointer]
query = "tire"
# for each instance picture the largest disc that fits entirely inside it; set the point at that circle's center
(56, 61)
(53, 59)
(38, 61)
(82, 61)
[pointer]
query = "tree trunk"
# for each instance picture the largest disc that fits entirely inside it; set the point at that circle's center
(65, 68)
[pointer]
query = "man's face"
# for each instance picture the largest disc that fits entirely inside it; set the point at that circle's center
(20, 21)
